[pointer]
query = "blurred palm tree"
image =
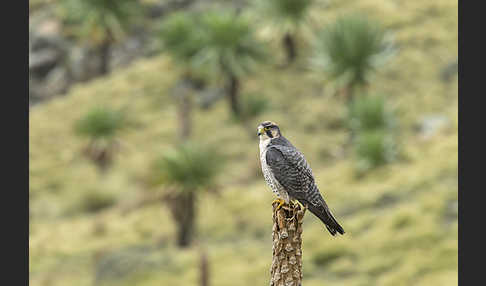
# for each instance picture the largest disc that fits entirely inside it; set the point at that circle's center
(100, 22)
(288, 16)
(182, 40)
(185, 172)
(230, 50)
(350, 49)
(101, 126)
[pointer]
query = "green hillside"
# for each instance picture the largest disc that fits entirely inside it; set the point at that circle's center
(400, 219)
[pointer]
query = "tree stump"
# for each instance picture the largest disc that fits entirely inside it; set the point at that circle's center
(286, 269)
(288, 42)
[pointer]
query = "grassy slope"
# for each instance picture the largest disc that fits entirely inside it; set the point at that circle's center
(400, 220)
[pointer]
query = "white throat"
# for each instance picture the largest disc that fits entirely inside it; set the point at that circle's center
(264, 143)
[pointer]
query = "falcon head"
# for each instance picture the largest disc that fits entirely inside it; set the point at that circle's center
(268, 129)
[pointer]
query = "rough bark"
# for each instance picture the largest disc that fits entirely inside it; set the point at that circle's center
(286, 269)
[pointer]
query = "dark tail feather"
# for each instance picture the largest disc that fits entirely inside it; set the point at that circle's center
(325, 215)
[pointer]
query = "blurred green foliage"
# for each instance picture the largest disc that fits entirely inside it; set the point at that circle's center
(217, 42)
(374, 148)
(287, 15)
(189, 166)
(100, 125)
(230, 44)
(97, 20)
(370, 113)
(100, 122)
(180, 36)
(351, 48)
(373, 126)
(184, 171)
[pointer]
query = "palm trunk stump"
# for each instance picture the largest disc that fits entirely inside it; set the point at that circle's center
(286, 269)
(290, 48)
(183, 209)
(233, 90)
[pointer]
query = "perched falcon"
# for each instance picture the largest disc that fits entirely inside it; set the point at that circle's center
(289, 175)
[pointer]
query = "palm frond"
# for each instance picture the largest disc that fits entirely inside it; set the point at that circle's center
(95, 20)
(351, 48)
(230, 45)
(180, 36)
(189, 166)
(100, 123)
(286, 15)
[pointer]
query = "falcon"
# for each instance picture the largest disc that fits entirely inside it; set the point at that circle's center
(289, 175)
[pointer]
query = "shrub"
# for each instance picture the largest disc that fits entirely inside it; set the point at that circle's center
(180, 36)
(100, 123)
(369, 113)
(373, 149)
(373, 132)
(189, 166)
(350, 49)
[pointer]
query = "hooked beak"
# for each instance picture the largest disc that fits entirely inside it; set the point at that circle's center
(260, 131)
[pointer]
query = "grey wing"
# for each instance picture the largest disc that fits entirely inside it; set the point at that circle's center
(290, 169)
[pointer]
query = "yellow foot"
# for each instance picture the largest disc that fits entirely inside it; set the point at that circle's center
(280, 203)
(296, 202)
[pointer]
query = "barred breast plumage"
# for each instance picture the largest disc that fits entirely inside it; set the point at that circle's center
(274, 185)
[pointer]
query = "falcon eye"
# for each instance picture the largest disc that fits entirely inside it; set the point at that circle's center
(267, 128)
